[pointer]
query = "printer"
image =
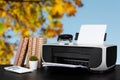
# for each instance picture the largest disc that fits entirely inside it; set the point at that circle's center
(95, 57)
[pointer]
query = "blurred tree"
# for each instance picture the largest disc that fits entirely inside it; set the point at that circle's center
(27, 16)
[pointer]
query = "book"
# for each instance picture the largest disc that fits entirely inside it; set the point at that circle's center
(40, 42)
(17, 69)
(18, 52)
(23, 52)
(34, 46)
(38, 51)
(30, 47)
(29, 52)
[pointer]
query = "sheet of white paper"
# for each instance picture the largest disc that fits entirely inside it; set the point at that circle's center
(91, 34)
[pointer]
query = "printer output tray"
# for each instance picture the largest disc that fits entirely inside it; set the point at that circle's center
(45, 64)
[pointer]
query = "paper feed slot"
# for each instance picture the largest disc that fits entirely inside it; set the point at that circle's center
(77, 34)
(75, 59)
(71, 61)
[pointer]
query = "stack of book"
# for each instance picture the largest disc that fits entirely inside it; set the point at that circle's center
(27, 48)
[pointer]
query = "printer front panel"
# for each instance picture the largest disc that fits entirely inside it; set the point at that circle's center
(96, 58)
(111, 55)
(47, 53)
(90, 57)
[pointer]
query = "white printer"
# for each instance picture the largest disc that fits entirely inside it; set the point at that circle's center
(96, 57)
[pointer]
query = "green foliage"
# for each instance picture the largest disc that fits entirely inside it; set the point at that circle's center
(33, 58)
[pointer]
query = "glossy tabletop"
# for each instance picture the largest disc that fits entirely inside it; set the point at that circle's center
(61, 74)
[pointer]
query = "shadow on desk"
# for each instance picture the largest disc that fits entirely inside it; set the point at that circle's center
(61, 74)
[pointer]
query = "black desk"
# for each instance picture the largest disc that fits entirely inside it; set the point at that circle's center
(61, 74)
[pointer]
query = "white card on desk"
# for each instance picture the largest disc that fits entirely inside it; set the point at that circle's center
(17, 69)
(91, 34)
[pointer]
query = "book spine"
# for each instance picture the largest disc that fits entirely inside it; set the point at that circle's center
(23, 52)
(29, 53)
(38, 52)
(40, 42)
(18, 52)
(34, 46)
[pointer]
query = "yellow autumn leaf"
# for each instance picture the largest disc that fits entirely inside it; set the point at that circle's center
(8, 25)
(4, 62)
(9, 56)
(56, 24)
(58, 1)
(2, 43)
(72, 10)
(59, 24)
(2, 28)
(78, 2)
(38, 24)
(26, 33)
(1, 52)
(3, 14)
(32, 28)
(16, 28)
(50, 17)
(59, 31)
(57, 10)
(51, 33)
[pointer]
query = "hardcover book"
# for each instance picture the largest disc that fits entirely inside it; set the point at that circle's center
(23, 52)
(29, 52)
(18, 52)
(34, 46)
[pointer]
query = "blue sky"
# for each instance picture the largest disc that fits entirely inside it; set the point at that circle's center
(97, 12)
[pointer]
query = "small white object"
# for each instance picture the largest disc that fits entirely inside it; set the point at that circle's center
(91, 34)
(33, 65)
(17, 69)
(60, 43)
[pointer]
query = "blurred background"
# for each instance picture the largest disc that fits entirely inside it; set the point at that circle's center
(93, 12)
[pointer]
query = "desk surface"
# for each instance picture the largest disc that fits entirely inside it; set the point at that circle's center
(61, 74)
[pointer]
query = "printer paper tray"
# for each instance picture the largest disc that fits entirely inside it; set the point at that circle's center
(62, 65)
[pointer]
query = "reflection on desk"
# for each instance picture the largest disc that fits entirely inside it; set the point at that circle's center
(61, 74)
